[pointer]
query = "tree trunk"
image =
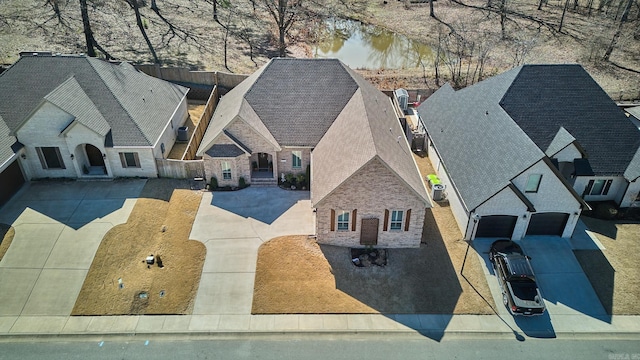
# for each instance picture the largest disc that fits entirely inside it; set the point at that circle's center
(540, 3)
(215, 11)
(431, 9)
(136, 9)
(616, 36)
(88, 34)
(503, 17)
(281, 42)
(564, 12)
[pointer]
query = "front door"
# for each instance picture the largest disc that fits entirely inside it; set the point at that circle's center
(263, 162)
(369, 232)
(94, 155)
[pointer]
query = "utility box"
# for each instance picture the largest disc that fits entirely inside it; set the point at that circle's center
(437, 192)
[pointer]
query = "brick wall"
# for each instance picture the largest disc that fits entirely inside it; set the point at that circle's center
(239, 167)
(371, 190)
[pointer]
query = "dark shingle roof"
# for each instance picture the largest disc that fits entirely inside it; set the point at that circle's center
(545, 98)
(136, 107)
(481, 147)
(298, 102)
(224, 151)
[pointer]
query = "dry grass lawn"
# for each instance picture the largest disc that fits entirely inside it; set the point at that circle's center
(613, 272)
(159, 224)
(7, 233)
(196, 108)
(295, 275)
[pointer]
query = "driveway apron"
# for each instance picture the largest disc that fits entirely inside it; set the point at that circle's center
(233, 225)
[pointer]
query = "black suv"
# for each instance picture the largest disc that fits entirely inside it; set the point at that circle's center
(520, 292)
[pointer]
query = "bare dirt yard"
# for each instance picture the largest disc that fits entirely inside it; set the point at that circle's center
(196, 108)
(7, 233)
(613, 272)
(159, 224)
(295, 275)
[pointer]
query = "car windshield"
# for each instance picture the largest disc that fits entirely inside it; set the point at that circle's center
(524, 289)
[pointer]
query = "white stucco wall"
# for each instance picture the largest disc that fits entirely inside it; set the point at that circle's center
(43, 130)
(631, 194)
(505, 202)
(616, 191)
(552, 195)
(170, 133)
(145, 155)
(77, 137)
(455, 204)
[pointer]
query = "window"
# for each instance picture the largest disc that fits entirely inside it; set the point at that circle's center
(343, 220)
(226, 170)
(598, 187)
(396, 220)
(50, 157)
(533, 183)
(297, 159)
(129, 160)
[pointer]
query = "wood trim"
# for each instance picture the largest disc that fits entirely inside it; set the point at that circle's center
(407, 220)
(333, 220)
(354, 215)
(41, 157)
(607, 186)
(123, 161)
(385, 225)
(60, 160)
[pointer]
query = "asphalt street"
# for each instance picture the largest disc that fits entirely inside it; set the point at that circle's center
(368, 347)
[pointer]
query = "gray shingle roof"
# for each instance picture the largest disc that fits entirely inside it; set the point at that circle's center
(225, 151)
(481, 147)
(6, 141)
(135, 106)
(543, 98)
(298, 99)
(366, 129)
(560, 141)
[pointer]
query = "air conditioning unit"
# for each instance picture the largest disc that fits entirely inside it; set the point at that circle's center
(437, 192)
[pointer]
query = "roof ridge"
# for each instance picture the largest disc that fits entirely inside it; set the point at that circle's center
(116, 98)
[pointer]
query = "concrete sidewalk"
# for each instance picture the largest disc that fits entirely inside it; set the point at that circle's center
(432, 326)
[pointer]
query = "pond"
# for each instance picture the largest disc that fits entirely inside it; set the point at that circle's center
(363, 46)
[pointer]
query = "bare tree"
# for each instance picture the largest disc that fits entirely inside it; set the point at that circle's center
(564, 12)
(616, 35)
(284, 13)
(135, 6)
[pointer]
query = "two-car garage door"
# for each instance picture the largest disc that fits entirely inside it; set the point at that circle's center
(540, 224)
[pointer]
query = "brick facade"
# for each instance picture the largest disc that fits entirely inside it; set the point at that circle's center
(370, 191)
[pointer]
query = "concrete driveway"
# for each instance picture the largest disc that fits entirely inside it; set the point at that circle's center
(233, 225)
(59, 226)
(565, 288)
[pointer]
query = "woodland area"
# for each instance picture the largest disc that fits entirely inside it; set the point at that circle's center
(471, 39)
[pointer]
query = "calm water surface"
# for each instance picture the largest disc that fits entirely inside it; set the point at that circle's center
(369, 47)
